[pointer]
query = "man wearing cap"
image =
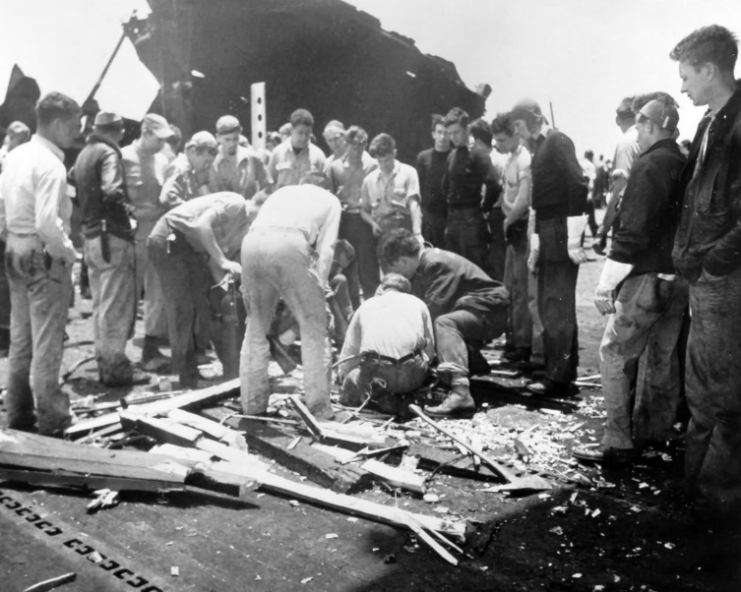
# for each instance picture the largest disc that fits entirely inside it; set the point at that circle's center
(559, 198)
(346, 176)
(292, 159)
(188, 175)
(288, 253)
(35, 213)
(388, 347)
(707, 253)
(109, 248)
(640, 292)
(469, 179)
(201, 234)
(390, 194)
(237, 168)
(145, 168)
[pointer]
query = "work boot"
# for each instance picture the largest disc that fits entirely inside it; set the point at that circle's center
(458, 403)
(134, 378)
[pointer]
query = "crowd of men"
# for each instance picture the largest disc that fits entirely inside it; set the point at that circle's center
(416, 267)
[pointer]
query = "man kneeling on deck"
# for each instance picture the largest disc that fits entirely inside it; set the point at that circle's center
(390, 343)
(468, 309)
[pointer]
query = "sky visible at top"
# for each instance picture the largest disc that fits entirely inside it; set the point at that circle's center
(584, 56)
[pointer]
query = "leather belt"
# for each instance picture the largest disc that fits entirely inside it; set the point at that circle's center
(372, 356)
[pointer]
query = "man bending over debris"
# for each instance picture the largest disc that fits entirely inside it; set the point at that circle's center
(288, 253)
(390, 338)
(467, 306)
(205, 232)
(638, 289)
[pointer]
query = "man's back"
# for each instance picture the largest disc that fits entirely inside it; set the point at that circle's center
(393, 324)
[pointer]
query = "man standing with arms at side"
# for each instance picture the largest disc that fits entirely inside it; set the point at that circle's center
(292, 159)
(467, 171)
(639, 291)
(346, 176)
(109, 249)
(517, 181)
(559, 199)
(145, 166)
(288, 253)
(236, 169)
(430, 169)
(707, 253)
(39, 255)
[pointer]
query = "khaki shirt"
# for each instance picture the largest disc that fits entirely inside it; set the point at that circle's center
(382, 197)
(286, 167)
(244, 173)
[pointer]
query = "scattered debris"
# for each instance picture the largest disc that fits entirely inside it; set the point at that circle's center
(52, 583)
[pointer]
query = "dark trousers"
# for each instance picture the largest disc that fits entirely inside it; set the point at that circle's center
(592, 221)
(557, 276)
(433, 228)
(497, 246)
(360, 235)
(453, 331)
(185, 283)
(713, 388)
(467, 234)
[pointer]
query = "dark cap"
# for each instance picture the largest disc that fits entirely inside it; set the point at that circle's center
(661, 114)
(156, 124)
(528, 111)
(228, 124)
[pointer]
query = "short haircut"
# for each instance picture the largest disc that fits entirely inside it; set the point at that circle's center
(625, 109)
(589, 155)
(343, 247)
(713, 44)
(55, 105)
(301, 117)
(437, 119)
(457, 115)
(334, 124)
(285, 128)
(273, 137)
(397, 243)
(639, 101)
(503, 124)
(317, 178)
(356, 136)
(382, 145)
(396, 282)
(19, 130)
(480, 130)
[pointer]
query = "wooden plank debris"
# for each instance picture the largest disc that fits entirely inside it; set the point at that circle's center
(189, 400)
(52, 583)
(307, 417)
(272, 442)
(33, 452)
(93, 482)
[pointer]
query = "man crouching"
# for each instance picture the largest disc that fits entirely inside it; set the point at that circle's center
(468, 309)
(389, 344)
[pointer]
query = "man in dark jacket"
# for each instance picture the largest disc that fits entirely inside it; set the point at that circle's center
(559, 198)
(467, 307)
(639, 290)
(109, 249)
(430, 169)
(707, 252)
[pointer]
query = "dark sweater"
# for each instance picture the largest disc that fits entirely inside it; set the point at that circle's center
(650, 209)
(447, 282)
(431, 168)
(101, 192)
(466, 172)
(559, 187)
